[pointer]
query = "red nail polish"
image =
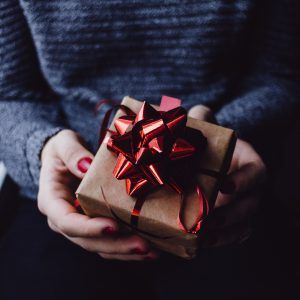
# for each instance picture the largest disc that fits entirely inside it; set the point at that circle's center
(78, 206)
(109, 230)
(84, 164)
(139, 251)
(76, 203)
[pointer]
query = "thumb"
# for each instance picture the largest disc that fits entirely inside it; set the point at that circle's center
(202, 112)
(247, 178)
(249, 172)
(71, 151)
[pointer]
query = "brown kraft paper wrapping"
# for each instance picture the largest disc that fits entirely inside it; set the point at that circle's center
(100, 193)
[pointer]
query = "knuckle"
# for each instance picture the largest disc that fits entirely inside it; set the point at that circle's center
(49, 224)
(52, 226)
(40, 204)
(136, 241)
(206, 111)
(201, 112)
(87, 246)
(63, 227)
(202, 109)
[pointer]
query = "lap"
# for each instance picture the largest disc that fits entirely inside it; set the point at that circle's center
(36, 263)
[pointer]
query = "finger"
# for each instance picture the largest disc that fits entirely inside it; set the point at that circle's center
(71, 151)
(52, 226)
(240, 211)
(67, 221)
(152, 255)
(119, 245)
(224, 199)
(226, 236)
(202, 112)
(246, 176)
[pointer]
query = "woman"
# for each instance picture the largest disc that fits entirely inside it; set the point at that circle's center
(232, 61)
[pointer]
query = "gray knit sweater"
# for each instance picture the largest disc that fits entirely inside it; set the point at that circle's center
(58, 58)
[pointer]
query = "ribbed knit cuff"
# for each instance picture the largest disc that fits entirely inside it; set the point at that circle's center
(35, 144)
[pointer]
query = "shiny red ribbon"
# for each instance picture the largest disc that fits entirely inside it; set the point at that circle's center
(154, 149)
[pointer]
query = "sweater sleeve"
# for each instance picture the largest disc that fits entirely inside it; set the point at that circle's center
(269, 91)
(29, 112)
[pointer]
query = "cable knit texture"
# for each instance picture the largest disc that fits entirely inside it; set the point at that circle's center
(58, 58)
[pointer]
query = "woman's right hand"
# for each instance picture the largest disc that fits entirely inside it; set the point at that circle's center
(64, 162)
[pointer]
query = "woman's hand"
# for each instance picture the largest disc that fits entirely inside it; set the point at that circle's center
(64, 162)
(239, 196)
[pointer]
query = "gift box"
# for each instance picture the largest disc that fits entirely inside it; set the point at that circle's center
(151, 195)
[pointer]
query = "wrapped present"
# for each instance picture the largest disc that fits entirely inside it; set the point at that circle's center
(158, 173)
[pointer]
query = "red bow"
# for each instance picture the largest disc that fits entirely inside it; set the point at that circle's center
(152, 148)
(155, 148)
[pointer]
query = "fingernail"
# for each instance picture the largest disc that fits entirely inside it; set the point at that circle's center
(84, 164)
(78, 206)
(228, 187)
(109, 231)
(139, 251)
(76, 203)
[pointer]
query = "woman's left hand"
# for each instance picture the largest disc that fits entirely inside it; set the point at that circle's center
(239, 194)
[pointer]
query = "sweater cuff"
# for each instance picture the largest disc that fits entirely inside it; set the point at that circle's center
(34, 146)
